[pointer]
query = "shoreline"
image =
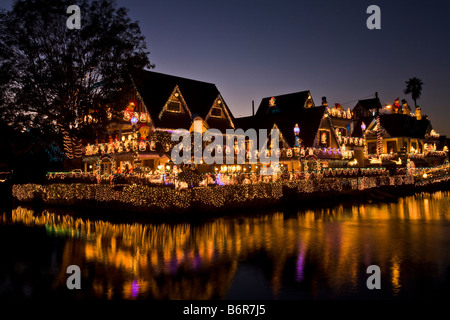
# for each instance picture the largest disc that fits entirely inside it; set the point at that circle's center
(192, 206)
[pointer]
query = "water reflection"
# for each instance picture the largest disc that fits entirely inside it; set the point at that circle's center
(317, 253)
(395, 277)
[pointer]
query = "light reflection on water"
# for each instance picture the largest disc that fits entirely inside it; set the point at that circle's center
(319, 254)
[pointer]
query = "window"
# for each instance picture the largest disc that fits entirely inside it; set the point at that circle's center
(324, 138)
(391, 146)
(174, 106)
(216, 112)
(372, 148)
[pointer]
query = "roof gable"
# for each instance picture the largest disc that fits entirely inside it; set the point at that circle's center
(175, 104)
(402, 125)
(219, 115)
(357, 130)
(156, 88)
(308, 120)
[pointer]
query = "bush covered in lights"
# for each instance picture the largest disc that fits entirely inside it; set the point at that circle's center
(228, 196)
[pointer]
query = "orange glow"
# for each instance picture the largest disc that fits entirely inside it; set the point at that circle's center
(143, 254)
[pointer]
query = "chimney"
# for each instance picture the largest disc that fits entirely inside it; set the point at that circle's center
(376, 95)
(253, 107)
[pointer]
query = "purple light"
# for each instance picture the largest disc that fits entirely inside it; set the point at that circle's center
(197, 261)
(173, 265)
(134, 120)
(363, 126)
(134, 289)
(219, 180)
(300, 264)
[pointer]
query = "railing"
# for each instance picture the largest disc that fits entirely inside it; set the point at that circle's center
(166, 178)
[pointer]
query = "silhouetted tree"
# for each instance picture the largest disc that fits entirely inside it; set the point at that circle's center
(53, 77)
(414, 86)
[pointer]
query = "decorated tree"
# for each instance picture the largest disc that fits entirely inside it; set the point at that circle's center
(62, 81)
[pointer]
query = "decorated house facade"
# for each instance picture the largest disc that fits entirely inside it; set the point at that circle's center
(307, 132)
(398, 135)
(393, 133)
(155, 106)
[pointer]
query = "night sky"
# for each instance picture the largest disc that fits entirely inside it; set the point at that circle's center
(256, 48)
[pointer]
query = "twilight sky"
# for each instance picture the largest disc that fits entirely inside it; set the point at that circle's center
(257, 48)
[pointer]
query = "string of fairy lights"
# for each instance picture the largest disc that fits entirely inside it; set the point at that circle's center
(209, 197)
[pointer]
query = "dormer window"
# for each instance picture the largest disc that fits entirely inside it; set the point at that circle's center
(174, 106)
(216, 112)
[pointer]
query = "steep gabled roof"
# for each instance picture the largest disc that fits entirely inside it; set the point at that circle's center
(219, 123)
(403, 125)
(170, 120)
(284, 103)
(156, 88)
(308, 119)
(357, 130)
(369, 104)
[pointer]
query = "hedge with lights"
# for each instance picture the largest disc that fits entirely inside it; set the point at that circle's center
(207, 197)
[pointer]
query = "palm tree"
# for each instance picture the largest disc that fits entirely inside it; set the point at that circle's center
(414, 86)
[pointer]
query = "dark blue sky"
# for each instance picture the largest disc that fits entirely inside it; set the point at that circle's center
(256, 48)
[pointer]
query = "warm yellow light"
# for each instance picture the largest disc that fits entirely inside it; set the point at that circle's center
(425, 175)
(388, 106)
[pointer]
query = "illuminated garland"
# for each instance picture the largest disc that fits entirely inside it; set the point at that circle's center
(162, 139)
(379, 138)
(191, 177)
(208, 196)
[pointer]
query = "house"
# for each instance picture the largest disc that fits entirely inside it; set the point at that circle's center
(405, 134)
(367, 107)
(306, 130)
(155, 105)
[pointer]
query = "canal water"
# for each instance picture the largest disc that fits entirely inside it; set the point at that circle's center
(320, 253)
